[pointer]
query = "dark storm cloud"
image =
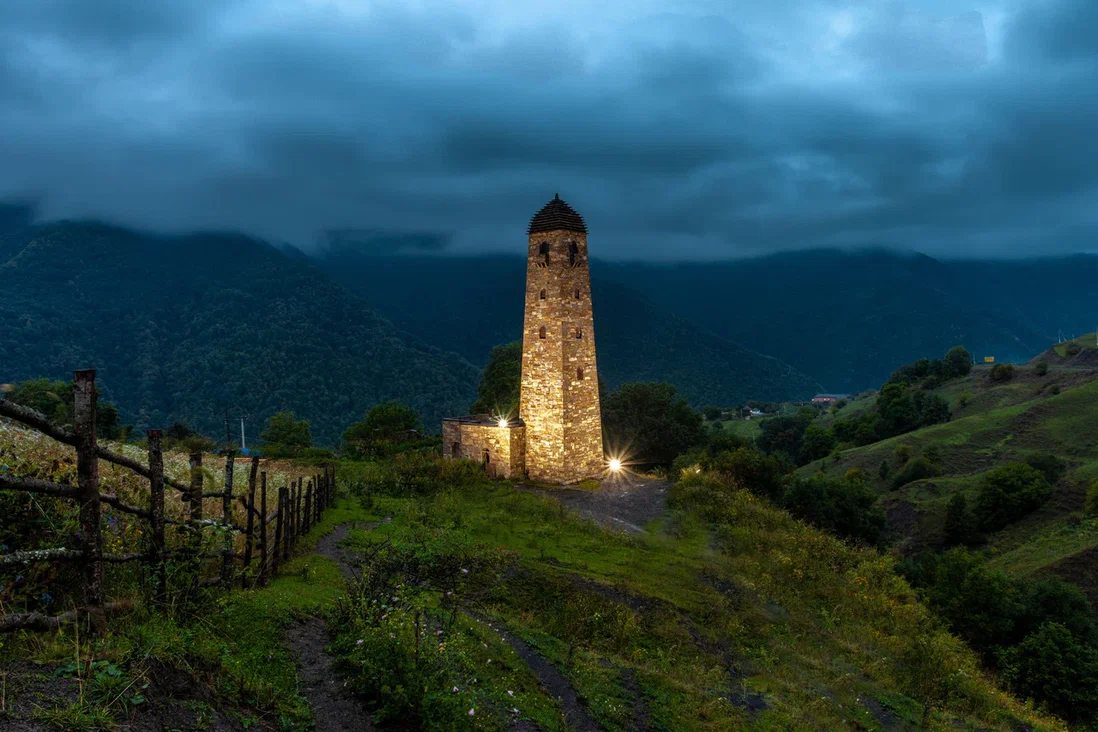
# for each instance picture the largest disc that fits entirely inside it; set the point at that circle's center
(679, 129)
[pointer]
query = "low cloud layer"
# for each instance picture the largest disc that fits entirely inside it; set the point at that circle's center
(680, 130)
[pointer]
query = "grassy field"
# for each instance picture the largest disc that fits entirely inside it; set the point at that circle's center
(721, 616)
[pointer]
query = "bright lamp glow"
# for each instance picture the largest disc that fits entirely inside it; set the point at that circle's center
(502, 421)
(615, 465)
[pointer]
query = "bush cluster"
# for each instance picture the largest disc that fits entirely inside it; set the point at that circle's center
(1039, 634)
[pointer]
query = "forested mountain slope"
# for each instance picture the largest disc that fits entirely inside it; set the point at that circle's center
(190, 327)
(469, 304)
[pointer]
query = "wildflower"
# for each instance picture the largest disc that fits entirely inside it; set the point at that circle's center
(358, 642)
(455, 689)
(391, 635)
(510, 693)
(471, 712)
(448, 593)
(464, 571)
(515, 711)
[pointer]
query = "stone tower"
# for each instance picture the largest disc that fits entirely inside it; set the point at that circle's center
(559, 399)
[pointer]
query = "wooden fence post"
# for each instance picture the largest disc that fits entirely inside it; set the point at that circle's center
(297, 513)
(87, 471)
(289, 522)
(308, 506)
(227, 519)
(279, 519)
(196, 487)
(156, 512)
(248, 536)
(263, 529)
(317, 501)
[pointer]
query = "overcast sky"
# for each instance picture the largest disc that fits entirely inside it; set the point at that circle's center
(679, 129)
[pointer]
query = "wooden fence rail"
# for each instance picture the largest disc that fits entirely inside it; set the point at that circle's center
(290, 522)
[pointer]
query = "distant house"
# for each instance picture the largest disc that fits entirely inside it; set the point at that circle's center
(828, 398)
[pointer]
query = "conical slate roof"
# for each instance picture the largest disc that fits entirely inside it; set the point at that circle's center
(557, 215)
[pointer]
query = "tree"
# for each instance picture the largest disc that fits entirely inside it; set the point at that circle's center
(386, 425)
(960, 521)
(785, 434)
(1051, 599)
(1051, 466)
(1053, 667)
(712, 413)
(286, 436)
(1008, 493)
(978, 604)
(1041, 368)
(651, 423)
(935, 670)
(957, 362)
(55, 400)
(498, 390)
(817, 443)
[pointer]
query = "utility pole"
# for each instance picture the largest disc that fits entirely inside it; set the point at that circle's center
(243, 444)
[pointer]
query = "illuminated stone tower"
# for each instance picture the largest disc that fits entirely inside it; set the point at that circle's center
(559, 399)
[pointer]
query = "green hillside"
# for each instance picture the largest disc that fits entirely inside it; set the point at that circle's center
(994, 424)
(470, 304)
(187, 328)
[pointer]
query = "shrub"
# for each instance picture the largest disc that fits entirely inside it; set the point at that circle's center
(1041, 368)
(1052, 467)
(1054, 389)
(845, 507)
(747, 467)
(918, 469)
(1001, 372)
(964, 398)
(1008, 493)
(655, 422)
(1073, 349)
(884, 470)
(385, 427)
(1091, 505)
(903, 454)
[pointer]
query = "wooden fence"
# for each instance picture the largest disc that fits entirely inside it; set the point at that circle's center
(298, 506)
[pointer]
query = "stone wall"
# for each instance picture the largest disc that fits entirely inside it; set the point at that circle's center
(559, 399)
(469, 439)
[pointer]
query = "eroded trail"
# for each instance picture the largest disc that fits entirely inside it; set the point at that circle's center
(334, 708)
(625, 504)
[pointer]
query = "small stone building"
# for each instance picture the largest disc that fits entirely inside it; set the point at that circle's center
(557, 437)
(501, 449)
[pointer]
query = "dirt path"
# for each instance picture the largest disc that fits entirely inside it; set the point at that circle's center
(575, 712)
(626, 503)
(333, 707)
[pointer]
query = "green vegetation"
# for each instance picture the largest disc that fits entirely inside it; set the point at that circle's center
(186, 328)
(725, 614)
(285, 436)
(470, 304)
(54, 399)
(650, 423)
(498, 390)
(387, 428)
(1039, 634)
(1008, 493)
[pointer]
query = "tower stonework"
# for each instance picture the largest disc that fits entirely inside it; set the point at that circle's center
(559, 396)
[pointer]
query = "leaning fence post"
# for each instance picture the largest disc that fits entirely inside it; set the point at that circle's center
(263, 529)
(297, 513)
(227, 519)
(87, 471)
(156, 511)
(248, 535)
